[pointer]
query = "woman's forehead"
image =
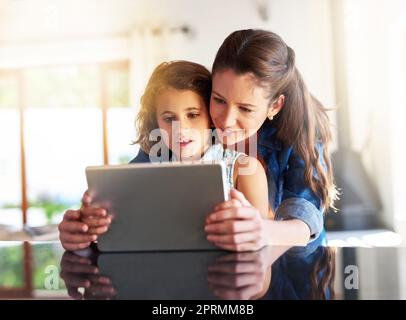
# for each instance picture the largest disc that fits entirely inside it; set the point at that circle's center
(244, 86)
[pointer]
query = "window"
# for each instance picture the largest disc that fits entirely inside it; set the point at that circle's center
(10, 160)
(70, 117)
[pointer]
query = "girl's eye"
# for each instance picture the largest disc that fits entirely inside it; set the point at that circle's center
(193, 115)
(218, 100)
(246, 110)
(169, 119)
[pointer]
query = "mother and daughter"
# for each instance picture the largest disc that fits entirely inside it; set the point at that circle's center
(255, 96)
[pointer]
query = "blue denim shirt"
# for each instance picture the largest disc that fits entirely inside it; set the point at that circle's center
(292, 273)
(289, 195)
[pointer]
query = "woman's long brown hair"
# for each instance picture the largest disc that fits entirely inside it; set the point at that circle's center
(302, 121)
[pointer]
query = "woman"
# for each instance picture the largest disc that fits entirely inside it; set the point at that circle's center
(258, 98)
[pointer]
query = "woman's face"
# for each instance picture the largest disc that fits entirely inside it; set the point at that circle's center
(184, 118)
(238, 106)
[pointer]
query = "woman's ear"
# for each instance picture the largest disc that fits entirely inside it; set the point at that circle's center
(276, 106)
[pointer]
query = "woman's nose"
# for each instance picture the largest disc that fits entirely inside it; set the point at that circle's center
(228, 118)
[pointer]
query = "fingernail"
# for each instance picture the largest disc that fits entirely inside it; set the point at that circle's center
(85, 228)
(94, 237)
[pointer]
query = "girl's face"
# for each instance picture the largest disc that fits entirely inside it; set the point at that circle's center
(238, 106)
(184, 118)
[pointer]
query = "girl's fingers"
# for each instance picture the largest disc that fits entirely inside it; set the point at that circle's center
(80, 269)
(94, 222)
(75, 246)
(237, 238)
(74, 293)
(77, 238)
(69, 226)
(98, 230)
(74, 258)
(87, 198)
(75, 280)
(92, 211)
(71, 215)
(232, 226)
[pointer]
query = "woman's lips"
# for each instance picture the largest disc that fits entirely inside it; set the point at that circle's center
(229, 132)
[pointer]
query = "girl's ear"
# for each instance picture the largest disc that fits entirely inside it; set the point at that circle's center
(276, 106)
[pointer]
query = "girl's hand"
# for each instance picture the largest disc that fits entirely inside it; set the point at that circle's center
(236, 225)
(80, 272)
(95, 218)
(81, 227)
(73, 233)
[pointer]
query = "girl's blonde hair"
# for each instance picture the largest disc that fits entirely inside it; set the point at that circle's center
(180, 75)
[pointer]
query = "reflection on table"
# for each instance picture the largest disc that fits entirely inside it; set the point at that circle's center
(46, 271)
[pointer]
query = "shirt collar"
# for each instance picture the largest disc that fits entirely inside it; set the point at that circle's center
(267, 137)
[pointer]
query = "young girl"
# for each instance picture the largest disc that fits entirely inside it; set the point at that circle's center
(175, 111)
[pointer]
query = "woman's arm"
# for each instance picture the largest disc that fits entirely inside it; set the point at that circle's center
(251, 181)
(238, 226)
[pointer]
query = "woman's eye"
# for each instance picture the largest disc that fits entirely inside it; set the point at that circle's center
(218, 100)
(246, 110)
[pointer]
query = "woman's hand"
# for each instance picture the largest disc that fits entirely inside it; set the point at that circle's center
(81, 227)
(236, 225)
(241, 276)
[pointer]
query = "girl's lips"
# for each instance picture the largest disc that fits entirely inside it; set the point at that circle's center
(184, 144)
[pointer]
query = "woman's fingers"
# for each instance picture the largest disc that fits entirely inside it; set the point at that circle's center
(232, 226)
(244, 293)
(232, 280)
(228, 204)
(237, 238)
(240, 247)
(237, 195)
(233, 213)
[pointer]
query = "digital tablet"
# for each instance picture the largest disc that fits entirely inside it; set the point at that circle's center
(160, 275)
(157, 207)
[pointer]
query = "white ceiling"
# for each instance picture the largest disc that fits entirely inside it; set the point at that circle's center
(23, 21)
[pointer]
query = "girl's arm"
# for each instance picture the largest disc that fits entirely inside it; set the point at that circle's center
(251, 180)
